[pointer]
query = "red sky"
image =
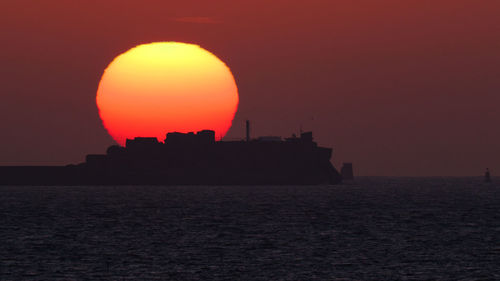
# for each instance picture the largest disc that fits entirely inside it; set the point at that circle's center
(400, 88)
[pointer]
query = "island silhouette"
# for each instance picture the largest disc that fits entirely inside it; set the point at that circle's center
(192, 159)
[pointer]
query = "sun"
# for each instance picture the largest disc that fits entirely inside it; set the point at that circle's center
(163, 87)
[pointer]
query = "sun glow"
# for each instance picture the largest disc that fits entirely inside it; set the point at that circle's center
(164, 87)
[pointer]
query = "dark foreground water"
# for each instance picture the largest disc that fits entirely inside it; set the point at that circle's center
(376, 228)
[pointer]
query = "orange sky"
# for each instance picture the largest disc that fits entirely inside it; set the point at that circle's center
(397, 87)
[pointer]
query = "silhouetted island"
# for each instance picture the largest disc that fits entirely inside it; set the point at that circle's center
(191, 159)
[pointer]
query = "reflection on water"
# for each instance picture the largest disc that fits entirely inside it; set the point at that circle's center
(377, 228)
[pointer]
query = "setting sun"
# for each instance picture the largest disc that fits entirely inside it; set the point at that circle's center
(164, 87)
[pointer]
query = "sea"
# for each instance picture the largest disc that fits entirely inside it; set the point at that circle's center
(373, 228)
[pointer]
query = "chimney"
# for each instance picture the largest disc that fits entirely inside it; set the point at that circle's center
(248, 130)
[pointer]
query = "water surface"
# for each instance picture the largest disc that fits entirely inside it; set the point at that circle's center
(373, 229)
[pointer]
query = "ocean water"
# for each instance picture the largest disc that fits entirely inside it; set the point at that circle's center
(372, 229)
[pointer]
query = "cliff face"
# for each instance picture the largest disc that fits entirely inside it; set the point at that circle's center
(186, 159)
